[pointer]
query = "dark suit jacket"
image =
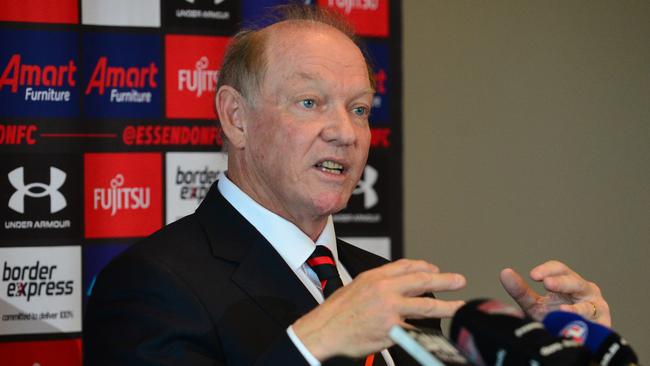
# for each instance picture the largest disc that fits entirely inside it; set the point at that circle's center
(206, 290)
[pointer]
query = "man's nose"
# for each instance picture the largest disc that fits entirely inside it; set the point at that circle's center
(340, 128)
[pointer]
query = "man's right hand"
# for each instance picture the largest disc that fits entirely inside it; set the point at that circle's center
(356, 319)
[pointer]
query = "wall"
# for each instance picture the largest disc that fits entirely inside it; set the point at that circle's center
(527, 137)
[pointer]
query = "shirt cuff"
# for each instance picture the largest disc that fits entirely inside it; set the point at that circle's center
(311, 360)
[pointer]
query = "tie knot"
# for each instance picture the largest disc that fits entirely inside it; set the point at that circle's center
(322, 262)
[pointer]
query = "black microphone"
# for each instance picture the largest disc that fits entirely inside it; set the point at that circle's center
(489, 332)
(606, 347)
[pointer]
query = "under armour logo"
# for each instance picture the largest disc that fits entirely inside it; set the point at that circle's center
(37, 190)
(365, 187)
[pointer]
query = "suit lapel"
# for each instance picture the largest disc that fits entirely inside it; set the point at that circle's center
(356, 260)
(261, 273)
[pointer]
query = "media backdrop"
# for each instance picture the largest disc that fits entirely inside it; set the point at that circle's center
(107, 133)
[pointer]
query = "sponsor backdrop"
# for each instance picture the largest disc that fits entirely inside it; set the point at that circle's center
(107, 133)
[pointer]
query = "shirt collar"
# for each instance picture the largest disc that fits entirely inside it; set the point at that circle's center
(293, 245)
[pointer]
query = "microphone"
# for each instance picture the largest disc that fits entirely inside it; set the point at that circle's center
(427, 346)
(489, 332)
(606, 347)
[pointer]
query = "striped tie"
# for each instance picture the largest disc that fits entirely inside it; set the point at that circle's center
(322, 262)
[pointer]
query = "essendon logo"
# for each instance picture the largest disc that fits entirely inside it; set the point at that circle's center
(369, 17)
(122, 78)
(192, 71)
(380, 105)
(123, 194)
(38, 73)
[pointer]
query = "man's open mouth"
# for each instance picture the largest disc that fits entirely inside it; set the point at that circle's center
(329, 166)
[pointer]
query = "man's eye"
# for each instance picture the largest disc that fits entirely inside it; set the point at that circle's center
(308, 103)
(360, 111)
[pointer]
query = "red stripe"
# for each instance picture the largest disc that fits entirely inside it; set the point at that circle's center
(323, 284)
(370, 359)
(317, 261)
(82, 135)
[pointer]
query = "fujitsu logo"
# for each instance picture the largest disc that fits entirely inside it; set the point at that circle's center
(116, 197)
(17, 73)
(200, 79)
(105, 76)
(365, 187)
(37, 190)
(349, 5)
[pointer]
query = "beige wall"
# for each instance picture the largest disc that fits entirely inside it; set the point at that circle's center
(527, 137)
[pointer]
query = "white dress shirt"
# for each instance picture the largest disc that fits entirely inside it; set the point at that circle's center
(280, 232)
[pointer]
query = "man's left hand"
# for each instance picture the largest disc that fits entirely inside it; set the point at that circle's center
(566, 290)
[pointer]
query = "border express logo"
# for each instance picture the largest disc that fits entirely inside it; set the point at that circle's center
(39, 11)
(38, 74)
(192, 68)
(122, 194)
(122, 75)
(189, 177)
(40, 290)
(369, 17)
(39, 195)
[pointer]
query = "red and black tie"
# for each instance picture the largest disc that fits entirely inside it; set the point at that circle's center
(322, 262)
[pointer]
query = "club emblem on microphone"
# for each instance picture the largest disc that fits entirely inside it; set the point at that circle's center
(576, 330)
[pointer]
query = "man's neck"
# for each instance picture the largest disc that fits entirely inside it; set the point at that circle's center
(310, 225)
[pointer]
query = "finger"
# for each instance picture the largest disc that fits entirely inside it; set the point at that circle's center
(426, 307)
(404, 266)
(550, 268)
(572, 284)
(414, 284)
(518, 289)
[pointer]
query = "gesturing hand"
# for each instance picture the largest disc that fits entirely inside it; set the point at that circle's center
(567, 291)
(355, 320)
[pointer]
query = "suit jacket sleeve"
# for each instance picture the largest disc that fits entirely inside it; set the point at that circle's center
(141, 313)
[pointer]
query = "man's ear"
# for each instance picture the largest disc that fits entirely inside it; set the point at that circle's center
(231, 108)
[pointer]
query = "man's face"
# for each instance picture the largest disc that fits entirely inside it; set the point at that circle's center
(308, 137)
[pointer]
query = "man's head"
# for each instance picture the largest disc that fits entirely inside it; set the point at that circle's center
(298, 132)
(244, 64)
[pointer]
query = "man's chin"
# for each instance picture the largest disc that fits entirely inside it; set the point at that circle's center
(331, 204)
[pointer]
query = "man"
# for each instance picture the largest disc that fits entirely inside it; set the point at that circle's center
(235, 283)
